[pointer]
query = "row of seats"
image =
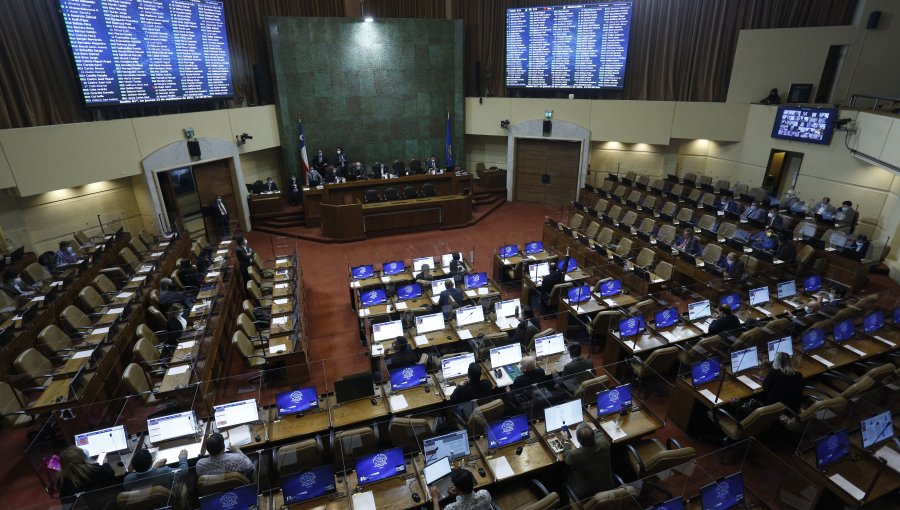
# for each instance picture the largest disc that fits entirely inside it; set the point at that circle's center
(409, 191)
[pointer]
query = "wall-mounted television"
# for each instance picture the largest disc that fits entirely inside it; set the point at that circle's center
(581, 46)
(152, 51)
(800, 124)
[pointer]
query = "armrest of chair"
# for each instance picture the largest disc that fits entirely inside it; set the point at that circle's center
(634, 453)
(538, 488)
(672, 441)
(722, 410)
(619, 481)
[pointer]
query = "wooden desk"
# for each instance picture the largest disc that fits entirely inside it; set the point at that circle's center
(357, 412)
(261, 204)
(863, 471)
(633, 424)
(178, 376)
(470, 463)
(276, 499)
(295, 427)
(416, 399)
(57, 395)
(687, 407)
(394, 493)
(534, 456)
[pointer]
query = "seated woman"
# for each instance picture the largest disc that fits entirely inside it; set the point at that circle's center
(78, 473)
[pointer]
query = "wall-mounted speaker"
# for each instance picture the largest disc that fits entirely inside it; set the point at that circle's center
(548, 127)
(194, 148)
(874, 18)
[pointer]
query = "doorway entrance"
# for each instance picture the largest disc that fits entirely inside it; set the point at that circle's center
(188, 192)
(546, 171)
(782, 171)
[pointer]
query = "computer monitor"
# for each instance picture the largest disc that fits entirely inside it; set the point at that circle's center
(610, 288)
(436, 470)
(466, 315)
(876, 429)
(706, 370)
(409, 291)
(699, 310)
(572, 265)
(506, 355)
(240, 498)
(744, 359)
(476, 280)
(296, 401)
(438, 286)
(172, 426)
(236, 413)
(873, 322)
(832, 448)
(838, 239)
(808, 230)
(379, 466)
(844, 330)
(812, 283)
(448, 257)
(672, 504)
(786, 290)
(390, 330)
(393, 267)
(614, 400)
(812, 339)
(307, 485)
(665, 318)
(353, 387)
(456, 366)
(507, 431)
(785, 344)
(454, 445)
(896, 316)
(408, 377)
(579, 294)
(563, 415)
(549, 345)
(723, 494)
(534, 247)
(538, 271)
(631, 326)
(422, 261)
(98, 442)
(429, 323)
(362, 272)
(507, 251)
(759, 296)
(741, 235)
(507, 308)
(733, 300)
(372, 297)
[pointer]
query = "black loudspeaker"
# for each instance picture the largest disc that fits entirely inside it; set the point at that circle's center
(548, 127)
(262, 84)
(874, 18)
(194, 148)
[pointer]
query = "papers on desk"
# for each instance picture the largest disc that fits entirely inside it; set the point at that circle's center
(822, 360)
(281, 301)
(435, 299)
(884, 340)
(854, 350)
(501, 468)
(609, 302)
(402, 305)
(377, 350)
(212, 274)
(281, 260)
(711, 396)
(322, 186)
(848, 487)
(82, 354)
(362, 500)
(398, 403)
(100, 331)
(18, 318)
(186, 345)
(568, 278)
(720, 213)
(483, 291)
(363, 312)
(124, 295)
(145, 268)
(56, 284)
(612, 430)
(890, 456)
(420, 340)
(281, 285)
(750, 383)
(156, 254)
(354, 284)
(275, 349)
(762, 310)
(506, 262)
(464, 334)
(777, 261)
(471, 293)
(277, 321)
(137, 279)
(385, 279)
(37, 299)
(115, 311)
(239, 436)
(200, 306)
(180, 369)
(163, 245)
(222, 253)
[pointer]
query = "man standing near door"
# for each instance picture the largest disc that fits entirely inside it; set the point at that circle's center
(220, 216)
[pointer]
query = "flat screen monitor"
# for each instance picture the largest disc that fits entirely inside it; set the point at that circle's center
(172, 426)
(744, 359)
(832, 448)
(699, 310)
(448, 257)
(538, 271)
(163, 52)
(241, 498)
(534, 247)
(409, 291)
(571, 265)
(800, 124)
(786, 290)
(665, 318)
(387, 330)
(362, 272)
(466, 315)
(579, 294)
(808, 230)
(876, 429)
(393, 267)
(631, 326)
(507, 251)
(429, 323)
(423, 261)
(296, 401)
(436, 470)
(98, 442)
(568, 46)
(372, 297)
(897, 315)
(838, 240)
(454, 445)
(671, 504)
(812, 283)
(507, 308)
(408, 377)
(476, 280)
(307, 485)
(759, 296)
(507, 431)
(723, 494)
(236, 413)
(438, 286)
(353, 387)
(379, 466)
(733, 300)
(610, 288)
(506, 355)
(844, 330)
(706, 370)
(785, 345)
(456, 366)
(812, 339)
(613, 400)
(549, 345)
(873, 322)
(563, 415)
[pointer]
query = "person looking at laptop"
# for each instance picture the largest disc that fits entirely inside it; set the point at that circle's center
(220, 461)
(726, 321)
(732, 266)
(146, 473)
(526, 329)
(425, 274)
(590, 467)
(531, 374)
(463, 487)
(578, 365)
(450, 298)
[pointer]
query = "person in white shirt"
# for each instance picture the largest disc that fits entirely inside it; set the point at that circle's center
(463, 487)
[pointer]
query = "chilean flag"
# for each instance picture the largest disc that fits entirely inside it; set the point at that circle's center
(304, 160)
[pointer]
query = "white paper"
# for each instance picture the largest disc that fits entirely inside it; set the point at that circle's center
(363, 312)
(37, 299)
(361, 500)
(281, 260)
(279, 320)
(180, 369)
(156, 254)
(848, 487)
(720, 213)
(56, 284)
(354, 284)
(17, 318)
(854, 350)
(750, 383)
(100, 331)
(398, 402)
(710, 396)
(471, 293)
(822, 360)
(482, 291)
(385, 279)
(186, 345)
(275, 349)
(501, 468)
(139, 278)
(609, 302)
(612, 431)
(239, 436)
(435, 299)
(506, 262)
(420, 340)
(281, 285)
(377, 350)
(124, 295)
(884, 340)
(464, 334)
(402, 305)
(163, 245)
(82, 354)
(212, 274)
(281, 301)
(222, 252)
(115, 311)
(890, 456)
(762, 310)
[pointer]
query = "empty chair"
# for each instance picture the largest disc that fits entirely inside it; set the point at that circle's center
(592, 229)
(620, 191)
(649, 202)
(605, 236)
(677, 190)
(409, 191)
(661, 361)
(634, 197)
(663, 270)
(758, 194)
(656, 185)
(353, 443)
(607, 186)
(701, 349)
(602, 323)
(147, 238)
(155, 496)
(136, 383)
(53, 341)
(707, 222)
(689, 178)
(615, 212)
(757, 422)
(90, 300)
(75, 320)
(630, 218)
(647, 226)
(643, 180)
(645, 258)
(145, 353)
(256, 295)
(157, 319)
(265, 284)
(624, 248)
(483, 414)
(601, 205)
(409, 432)
(34, 273)
(822, 391)
(630, 175)
(739, 189)
(575, 221)
(705, 180)
(130, 259)
(371, 196)
(12, 405)
(297, 457)
(819, 409)
(726, 230)
(214, 484)
(722, 185)
(254, 357)
(669, 209)
(144, 331)
(587, 390)
(666, 234)
(391, 194)
(694, 196)
(249, 328)
(260, 266)
(711, 253)
(428, 190)
(686, 215)
(708, 199)
(34, 366)
(648, 457)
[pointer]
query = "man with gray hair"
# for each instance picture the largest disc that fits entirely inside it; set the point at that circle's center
(168, 296)
(531, 374)
(590, 467)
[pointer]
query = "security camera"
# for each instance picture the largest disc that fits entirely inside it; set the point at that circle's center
(504, 124)
(242, 138)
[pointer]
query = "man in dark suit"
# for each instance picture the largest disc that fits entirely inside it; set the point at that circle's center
(805, 317)
(729, 205)
(415, 167)
(785, 250)
(399, 168)
(431, 164)
(471, 388)
(754, 212)
(531, 374)
(341, 162)
(204, 260)
(528, 326)
(294, 189)
(687, 242)
(168, 296)
(319, 160)
(860, 247)
(220, 216)
(552, 279)
(380, 170)
(329, 175)
(726, 321)
(189, 276)
(573, 372)
(357, 171)
(244, 255)
(450, 298)
(403, 355)
(774, 219)
(269, 186)
(732, 267)
(590, 466)
(845, 217)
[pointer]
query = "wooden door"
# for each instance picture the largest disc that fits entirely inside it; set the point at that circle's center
(546, 171)
(214, 179)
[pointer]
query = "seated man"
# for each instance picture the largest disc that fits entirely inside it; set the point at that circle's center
(473, 387)
(188, 275)
(552, 279)
(531, 374)
(687, 242)
(754, 212)
(462, 485)
(578, 365)
(823, 209)
(528, 327)
(785, 250)
(66, 254)
(168, 296)
(726, 321)
(450, 298)
(728, 204)
(590, 466)
(220, 461)
(314, 178)
(269, 186)
(773, 219)
(147, 473)
(763, 240)
(732, 267)
(205, 260)
(425, 274)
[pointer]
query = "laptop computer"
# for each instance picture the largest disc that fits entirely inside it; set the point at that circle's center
(476, 281)
(408, 377)
(723, 494)
(744, 360)
(362, 272)
(454, 445)
(614, 400)
(507, 251)
(103, 441)
(538, 271)
(429, 323)
(787, 292)
(812, 339)
(705, 371)
(876, 429)
(508, 431)
(240, 498)
(353, 387)
(422, 261)
(393, 268)
(812, 283)
(832, 448)
(437, 474)
(372, 298)
(409, 291)
(534, 247)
